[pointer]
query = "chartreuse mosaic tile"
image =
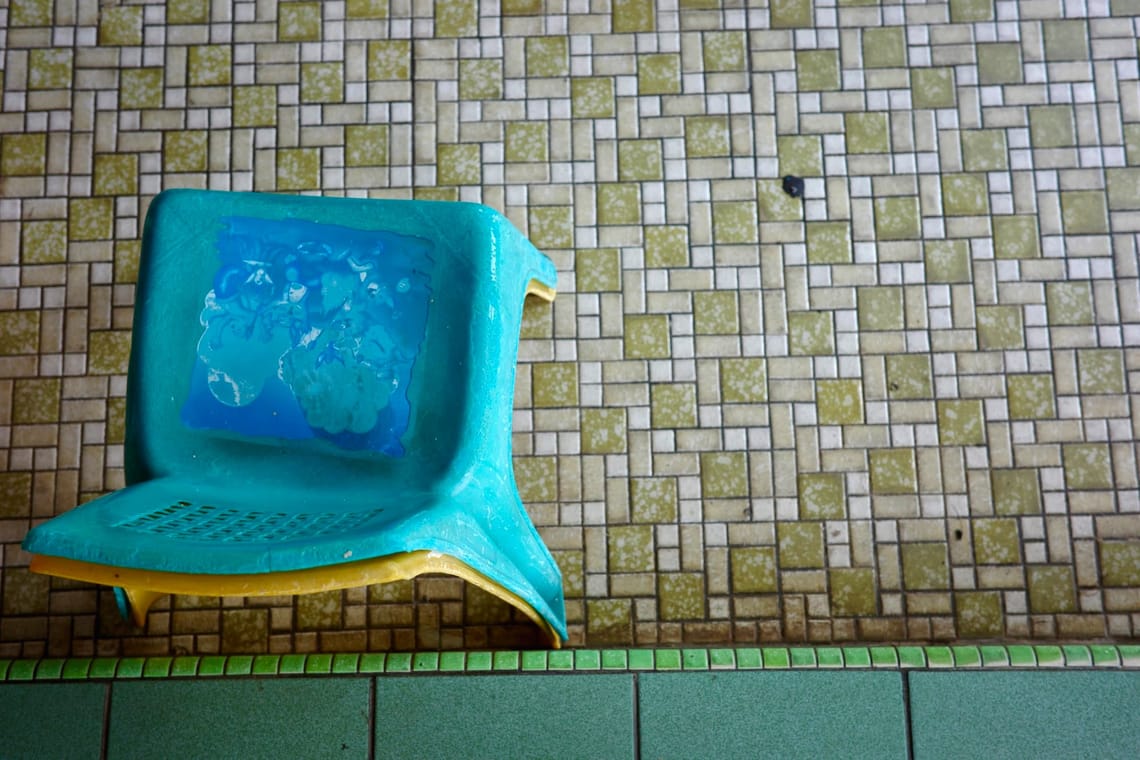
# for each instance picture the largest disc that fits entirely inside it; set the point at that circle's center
(933, 87)
(897, 218)
(948, 261)
(1052, 126)
(1123, 189)
(1087, 465)
(743, 380)
(1066, 40)
(653, 499)
(724, 474)
(880, 308)
(1016, 237)
(666, 246)
(1101, 370)
(828, 242)
(800, 544)
(909, 377)
(893, 471)
(753, 569)
(44, 242)
(1032, 397)
(790, 14)
(999, 63)
(598, 270)
(603, 431)
(1016, 492)
(964, 195)
(996, 542)
(23, 155)
(801, 155)
(867, 132)
(810, 333)
(551, 226)
(884, 47)
(706, 136)
(817, 70)
(839, 402)
(547, 56)
(1069, 303)
(925, 567)
(646, 336)
(638, 159)
(725, 51)
(1120, 563)
(1084, 212)
(821, 496)
(619, 203)
(961, 422)
(681, 596)
(1000, 327)
(776, 205)
(734, 222)
(971, 10)
(984, 150)
(852, 591)
(673, 406)
(658, 74)
(1051, 589)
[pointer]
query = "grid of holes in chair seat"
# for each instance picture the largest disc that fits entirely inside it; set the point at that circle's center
(204, 522)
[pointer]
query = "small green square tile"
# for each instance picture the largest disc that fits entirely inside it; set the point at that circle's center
(1021, 656)
(994, 656)
(22, 670)
(425, 662)
(1129, 655)
(1052, 127)
(961, 422)
(1049, 656)
(239, 665)
(1000, 63)
(614, 659)
(641, 659)
(725, 51)
(454, 662)
(933, 88)
(505, 660)
(964, 11)
(668, 659)
(801, 155)
(562, 659)
(893, 471)
(132, 667)
(965, 195)
(857, 657)
(830, 657)
(695, 659)
(884, 657)
(266, 664)
(157, 667)
(1077, 656)
(749, 658)
(1000, 327)
(867, 132)
(916, 657)
(925, 567)
(49, 669)
(802, 657)
(1123, 189)
(984, 150)
(401, 662)
(318, 664)
(790, 14)
(76, 668)
(1016, 237)
(104, 667)
(776, 657)
(817, 70)
(1087, 465)
(1066, 40)
(722, 659)
(1105, 655)
(1084, 212)
(372, 662)
(811, 333)
(966, 657)
(884, 47)
(897, 218)
(657, 74)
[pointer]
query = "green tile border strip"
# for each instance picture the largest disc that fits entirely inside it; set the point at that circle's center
(951, 656)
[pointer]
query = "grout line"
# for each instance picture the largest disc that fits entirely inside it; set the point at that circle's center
(906, 714)
(371, 718)
(106, 738)
(636, 716)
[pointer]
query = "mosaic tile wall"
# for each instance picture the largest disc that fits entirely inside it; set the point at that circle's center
(900, 408)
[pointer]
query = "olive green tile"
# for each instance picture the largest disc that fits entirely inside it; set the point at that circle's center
(255, 106)
(632, 16)
(521, 7)
(435, 193)
(141, 88)
(828, 242)
(322, 83)
(366, 145)
(971, 10)
(35, 401)
(1015, 492)
(1069, 303)
(299, 22)
(984, 150)
(458, 164)
(15, 494)
(298, 169)
(527, 141)
(884, 47)
(116, 420)
(706, 136)
(681, 596)
(210, 64)
(961, 422)
(715, 312)
(49, 68)
(1084, 212)
(90, 218)
(852, 591)
(667, 246)
(653, 500)
(456, 18)
(1101, 370)
(743, 380)
(658, 74)
(1052, 127)
(839, 402)
(647, 336)
(603, 431)
(1123, 189)
(897, 218)
(1000, 63)
(801, 545)
(639, 160)
(867, 132)
(551, 226)
(630, 548)
(821, 496)
(810, 333)
(537, 478)
(619, 203)
(673, 406)
(23, 155)
(1000, 327)
(597, 270)
(933, 88)
(547, 56)
(1066, 40)
(247, 631)
(1120, 563)
(30, 13)
(880, 308)
(790, 14)
(978, 614)
(1132, 143)
(947, 261)
(801, 155)
(122, 25)
(555, 384)
(725, 51)
(1087, 465)
(538, 319)
(724, 474)
(1016, 237)
(734, 222)
(996, 542)
(817, 70)
(1051, 589)
(108, 352)
(482, 79)
(893, 471)
(389, 59)
(1031, 397)
(366, 9)
(753, 569)
(25, 592)
(908, 377)
(609, 622)
(116, 174)
(185, 151)
(925, 567)
(965, 195)
(775, 204)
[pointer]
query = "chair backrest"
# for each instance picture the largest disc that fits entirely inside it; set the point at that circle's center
(302, 340)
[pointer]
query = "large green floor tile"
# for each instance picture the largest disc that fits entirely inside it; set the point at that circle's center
(532, 716)
(51, 720)
(1025, 714)
(278, 718)
(790, 714)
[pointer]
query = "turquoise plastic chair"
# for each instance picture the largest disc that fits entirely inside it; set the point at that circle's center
(319, 396)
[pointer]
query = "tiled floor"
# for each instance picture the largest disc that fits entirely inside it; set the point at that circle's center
(881, 714)
(900, 408)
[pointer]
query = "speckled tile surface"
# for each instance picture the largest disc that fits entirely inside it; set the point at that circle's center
(899, 408)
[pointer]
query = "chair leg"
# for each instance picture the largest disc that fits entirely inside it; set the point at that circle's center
(134, 603)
